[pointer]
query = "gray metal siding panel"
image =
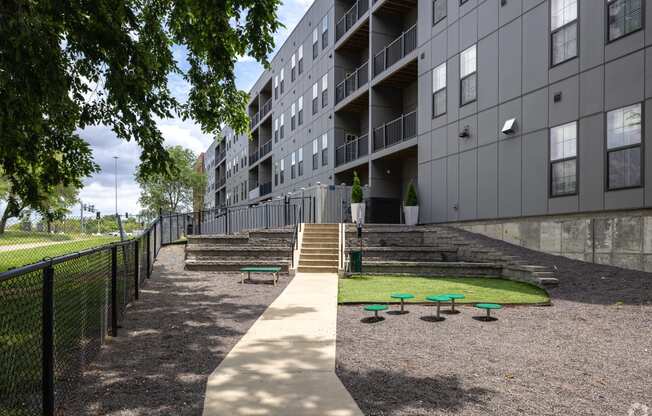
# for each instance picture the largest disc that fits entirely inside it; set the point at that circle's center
(535, 173)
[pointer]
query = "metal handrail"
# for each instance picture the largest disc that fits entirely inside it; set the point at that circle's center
(349, 18)
(352, 82)
(395, 50)
(267, 107)
(353, 150)
(381, 139)
(266, 148)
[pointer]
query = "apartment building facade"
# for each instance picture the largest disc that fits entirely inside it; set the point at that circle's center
(493, 108)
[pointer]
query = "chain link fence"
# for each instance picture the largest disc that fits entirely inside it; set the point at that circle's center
(56, 313)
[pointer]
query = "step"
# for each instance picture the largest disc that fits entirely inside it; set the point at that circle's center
(315, 234)
(318, 250)
(317, 269)
(319, 256)
(329, 238)
(315, 244)
(548, 281)
(319, 262)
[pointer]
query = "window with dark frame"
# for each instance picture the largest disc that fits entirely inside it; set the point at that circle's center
(315, 154)
(293, 168)
(624, 17)
(324, 32)
(315, 44)
(315, 98)
(563, 26)
(468, 76)
(282, 126)
(438, 11)
(563, 160)
(301, 162)
(324, 150)
(293, 116)
(439, 91)
(300, 115)
(624, 152)
(300, 63)
(324, 90)
(276, 174)
(282, 171)
(293, 68)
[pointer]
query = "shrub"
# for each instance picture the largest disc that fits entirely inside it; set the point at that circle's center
(356, 189)
(411, 197)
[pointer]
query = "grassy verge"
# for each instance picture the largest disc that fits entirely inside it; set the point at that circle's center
(22, 257)
(10, 238)
(363, 289)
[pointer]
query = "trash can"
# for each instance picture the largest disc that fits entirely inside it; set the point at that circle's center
(355, 261)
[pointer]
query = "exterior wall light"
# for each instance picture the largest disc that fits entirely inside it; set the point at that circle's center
(464, 132)
(510, 126)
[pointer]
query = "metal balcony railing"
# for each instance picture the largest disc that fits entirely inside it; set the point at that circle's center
(221, 156)
(267, 107)
(352, 82)
(254, 156)
(396, 50)
(351, 16)
(352, 150)
(395, 131)
(266, 188)
(221, 181)
(254, 120)
(266, 148)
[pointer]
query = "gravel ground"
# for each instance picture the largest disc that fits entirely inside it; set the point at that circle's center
(172, 339)
(590, 353)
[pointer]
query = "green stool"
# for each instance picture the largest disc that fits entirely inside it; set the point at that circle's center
(488, 307)
(439, 299)
(452, 297)
(403, 297)
(375, 309)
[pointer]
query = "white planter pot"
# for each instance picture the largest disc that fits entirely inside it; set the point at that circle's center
(411, 215)
(357, 212)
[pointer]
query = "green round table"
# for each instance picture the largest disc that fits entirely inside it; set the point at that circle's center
(375, 309)
(488, 307)
(453, 297)
(403, 297)
(439, 299)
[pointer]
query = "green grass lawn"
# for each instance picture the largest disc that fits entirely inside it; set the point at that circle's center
(22, 257)
(363, 289)
(10, 238)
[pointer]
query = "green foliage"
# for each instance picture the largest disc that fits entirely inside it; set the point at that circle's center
(356, 189)
(411, 196)
(68, 65)
(170, 191)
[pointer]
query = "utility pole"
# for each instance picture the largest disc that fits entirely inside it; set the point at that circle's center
(115, 158)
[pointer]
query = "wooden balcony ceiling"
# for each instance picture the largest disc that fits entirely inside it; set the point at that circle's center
(397, 7)
(358, 105)
(358, 39)
(403, 76)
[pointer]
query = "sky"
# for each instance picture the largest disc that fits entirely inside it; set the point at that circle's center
(99, 190)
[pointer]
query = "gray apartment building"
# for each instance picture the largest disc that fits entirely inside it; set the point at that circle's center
(493, 108)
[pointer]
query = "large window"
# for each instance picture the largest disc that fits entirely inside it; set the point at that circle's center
(315, 99)
(293, 166)
(324, 90)
(300, 63)
(438, 11)
(315, 154)
(563, 160)
(439, 91)
(315, 43)
(282, 80)
(625, 17)
(324, 32)
(293, 68)
(468, 75)
(624, 128)
(563, 24)
(301, 162)
(282, 125)
(300, 115)
(276, 130)
(275, 173)
(282, 171)
(324, 149)
(276, 87)
(293, 116)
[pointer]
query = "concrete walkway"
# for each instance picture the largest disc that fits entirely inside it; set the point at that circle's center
(285, 363)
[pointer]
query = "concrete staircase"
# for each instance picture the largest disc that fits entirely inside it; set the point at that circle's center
(319, 248)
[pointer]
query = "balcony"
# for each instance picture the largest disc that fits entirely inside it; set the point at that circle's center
(265, 148)
(221, 181)
(352, 15)
(254, 156)
(221, 155)
(266, 188)
(254, 193)
(352, 150)
(254, 120)
(267, 107)
(352, 82)
(395, 131)
(396, 50)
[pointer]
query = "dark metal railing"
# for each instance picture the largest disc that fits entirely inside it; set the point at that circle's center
(254, 156)
(267, 107)
(266, 188)
(221, 156)
(266, 148)
(352, 150)
(395, 131)
(351, 16)
(397, 49)
(352, 82)
(254, 120)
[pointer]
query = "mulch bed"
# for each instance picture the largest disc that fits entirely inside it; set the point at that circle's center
(172, 339)
(590, 353)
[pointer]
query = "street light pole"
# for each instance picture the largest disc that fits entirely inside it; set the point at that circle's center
(115, 158)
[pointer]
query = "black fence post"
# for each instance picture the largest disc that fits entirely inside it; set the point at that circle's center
(136, 280)
(114, 291)
(170, 234)
(154, 228)
(149, 253)
(48, 341)
(198, 225)
(266, 215)
(227, 220)
(314, 211)
(285, 210)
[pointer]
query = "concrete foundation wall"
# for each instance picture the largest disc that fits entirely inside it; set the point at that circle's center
(622, 239)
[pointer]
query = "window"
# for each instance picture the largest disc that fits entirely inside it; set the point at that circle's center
(315, 154)
(301, 162)
(282, 125)
(315, 104)
(275, 173)
(293, 172)
(300, 63)
(324, 32)
(439, 91)
(293, 66)
(625, 17)
(438, 11)
(563, 160)
(293, 116)
(300, 116)
(282, 80)
(324, 90)
(563, 24)
(324, 150)
(624, 127)
(276, 131)
(276, 87)
(315, 44)
(282, 171)
(468, 76)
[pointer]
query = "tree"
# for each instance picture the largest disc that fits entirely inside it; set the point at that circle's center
(66, 65)
(356, 189)
(171, 190)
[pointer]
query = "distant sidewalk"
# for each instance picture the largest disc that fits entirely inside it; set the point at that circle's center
(285, 363)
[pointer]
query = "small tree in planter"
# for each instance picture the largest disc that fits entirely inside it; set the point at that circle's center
(411, 208)
(357, 204)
